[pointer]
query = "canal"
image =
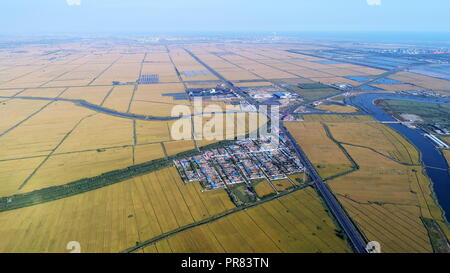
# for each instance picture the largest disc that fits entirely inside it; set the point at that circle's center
(436, 166)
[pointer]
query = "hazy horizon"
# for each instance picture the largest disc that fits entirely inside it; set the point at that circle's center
(52, 17)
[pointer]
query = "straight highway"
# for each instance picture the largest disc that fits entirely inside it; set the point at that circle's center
(356, 239)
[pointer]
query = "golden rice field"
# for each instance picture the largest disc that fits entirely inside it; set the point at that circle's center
(384, 196)
(376, 136)
(122, 72)
(335, 80)
(40, 134)
(253, 84)
(186, 63)
(339, 118)
(15, 111)
(97, 132)
(376, 172)
(48, 143)
(447, 139)
(423, 81)
(397, 87)
(152, 131)
(14, 172)
(216, 106)
(147, 152)
(165, 71)
(119, 98)
(155, 109)
(113, 218)
(10, 93)
(60, 169)
(217, 127)
(178, 146)
(337, 108)
(263, 188)
(324, 154)
(93, 95)
(44, 92)
(294, 223)
(387, 199)
(159, 93)
(447, 156)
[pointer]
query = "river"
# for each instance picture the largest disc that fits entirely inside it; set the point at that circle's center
(436, 166)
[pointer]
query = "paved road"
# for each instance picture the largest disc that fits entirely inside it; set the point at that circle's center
(386, 74)
(355, 237)
(230, 85)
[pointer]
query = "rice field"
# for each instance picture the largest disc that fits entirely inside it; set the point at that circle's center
(135, 210)
(152, 131)
(263, 188)
(378, 137)
(179, 146)
(160, 93)
(15, 111)
(383, 198)
(447, 156)
(63, 168)
(51, 143)
(42, 92)
(119, 98)
(339, 118)
(94, 95)
(14, 172)
(334, 108)
(155, 109)
(294, 223)
(42, 132)
(121, 72)
(421, 80)
(98, 132)
(147, 152)
(389, 193)
(324, 154)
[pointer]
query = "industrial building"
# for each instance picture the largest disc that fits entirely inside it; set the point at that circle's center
(439, 143)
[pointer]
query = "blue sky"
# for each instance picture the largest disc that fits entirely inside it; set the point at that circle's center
(149, 16)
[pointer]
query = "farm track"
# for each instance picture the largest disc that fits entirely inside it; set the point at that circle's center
(53, 150)
(136, 85)
(355, 237)
(210, 219)
(382, 154)
(96, 85)
(64, 73)
(83, 151)
(107, 111)
(53, 193)
(30, 116)
(107, 96)
(103, 71)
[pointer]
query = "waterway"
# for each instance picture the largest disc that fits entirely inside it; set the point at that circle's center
(436, 166)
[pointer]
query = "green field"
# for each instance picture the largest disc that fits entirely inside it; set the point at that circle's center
(431, 113)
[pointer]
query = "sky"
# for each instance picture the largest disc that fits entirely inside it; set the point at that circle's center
(26, 17)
